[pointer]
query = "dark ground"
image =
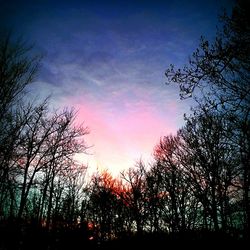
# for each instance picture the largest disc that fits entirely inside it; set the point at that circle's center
(26, 237)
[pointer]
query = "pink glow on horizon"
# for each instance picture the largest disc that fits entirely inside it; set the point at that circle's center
(120, 138)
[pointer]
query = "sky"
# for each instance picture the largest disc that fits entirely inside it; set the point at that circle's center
(107, 60)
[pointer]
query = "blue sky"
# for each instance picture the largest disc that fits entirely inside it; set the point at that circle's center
(107, 59)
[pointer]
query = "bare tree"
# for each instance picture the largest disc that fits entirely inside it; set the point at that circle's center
(218, 76)
(212, 166)
(49, 142)
(104, 205)
(175, 190)
(136, 195)
(17, 70)
(72, 195)
(155, 197)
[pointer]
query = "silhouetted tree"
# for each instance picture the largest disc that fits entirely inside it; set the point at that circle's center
(136, 194)
(212, 165)
(17, 70)
(36, 146)
(73, 179)
(104, 205)
(218, 76)
(175, 190)
(155, 197)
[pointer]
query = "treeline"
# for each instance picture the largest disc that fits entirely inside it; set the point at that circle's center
(40, 180)
(196, 187)
(194, 184)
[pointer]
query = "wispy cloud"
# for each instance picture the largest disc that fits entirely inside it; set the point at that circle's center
(109, 60)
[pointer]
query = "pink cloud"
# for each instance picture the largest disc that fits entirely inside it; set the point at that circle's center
(121, 137)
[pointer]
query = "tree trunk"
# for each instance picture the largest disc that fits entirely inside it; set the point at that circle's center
(50, 201)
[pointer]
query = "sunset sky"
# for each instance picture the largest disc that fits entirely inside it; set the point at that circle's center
(107, 59)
